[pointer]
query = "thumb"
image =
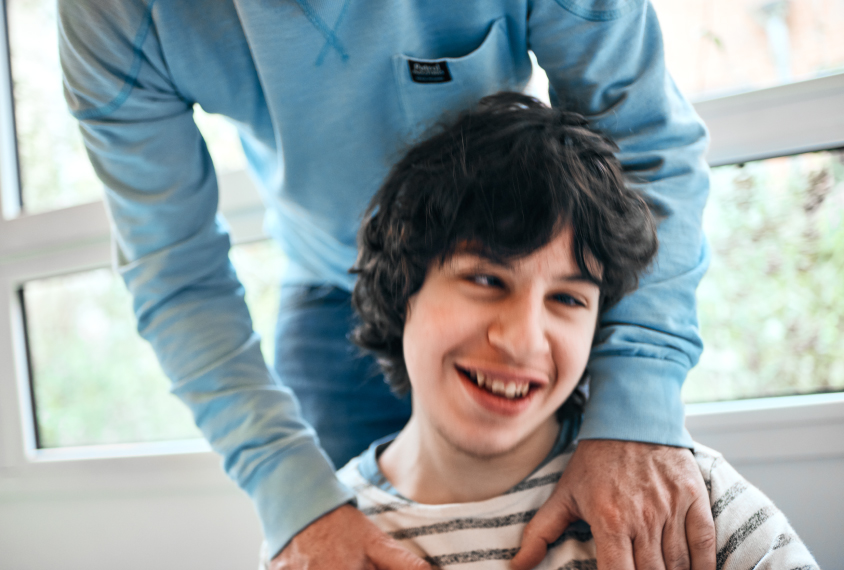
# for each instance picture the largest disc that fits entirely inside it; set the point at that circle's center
(387, 554)
(555, 516)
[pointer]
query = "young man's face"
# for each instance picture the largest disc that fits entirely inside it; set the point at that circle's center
(493, 350)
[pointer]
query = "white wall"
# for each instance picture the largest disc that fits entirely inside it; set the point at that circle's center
(127, 513)
(130, 532)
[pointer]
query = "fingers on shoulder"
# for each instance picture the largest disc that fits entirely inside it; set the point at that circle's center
(531, 552)
(700, 535)
(675, 548)
(385, 553)
(558, 512)
(614, 551)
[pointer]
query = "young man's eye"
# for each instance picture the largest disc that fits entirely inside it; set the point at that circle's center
(486, 280)
(566, 299)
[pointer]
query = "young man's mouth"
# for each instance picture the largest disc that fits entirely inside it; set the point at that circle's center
(504, 388)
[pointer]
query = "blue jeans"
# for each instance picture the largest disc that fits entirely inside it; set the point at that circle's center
(342, 392)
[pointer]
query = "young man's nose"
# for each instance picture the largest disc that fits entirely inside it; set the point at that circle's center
(518, 329)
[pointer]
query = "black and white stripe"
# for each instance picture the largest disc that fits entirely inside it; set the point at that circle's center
(464, 524)
(739, 536)
(472, 556)
(737, 489)
(536, 482)
(784, 540)
(574, 532)
(385, 508)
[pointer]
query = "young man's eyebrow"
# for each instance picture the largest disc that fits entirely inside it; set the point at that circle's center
(507, 264)
(578, 278)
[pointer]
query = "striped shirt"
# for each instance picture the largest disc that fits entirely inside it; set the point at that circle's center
(751, 532)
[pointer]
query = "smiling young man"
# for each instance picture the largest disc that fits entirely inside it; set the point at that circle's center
(485, 262)
(493, 349)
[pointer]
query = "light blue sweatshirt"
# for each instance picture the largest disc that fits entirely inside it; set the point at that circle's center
(327, 94)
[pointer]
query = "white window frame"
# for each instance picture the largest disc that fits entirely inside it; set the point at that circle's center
(782, 120)
(788, 119)
(66, 241)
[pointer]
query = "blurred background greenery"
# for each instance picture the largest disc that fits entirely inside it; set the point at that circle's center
(94, 380)
(772, 305)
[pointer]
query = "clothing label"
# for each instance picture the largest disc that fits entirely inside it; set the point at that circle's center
(429, 71)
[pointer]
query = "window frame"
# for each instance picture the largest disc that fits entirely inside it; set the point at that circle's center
(794, 118)
(10, 202)
(777, 121)
(74, 239)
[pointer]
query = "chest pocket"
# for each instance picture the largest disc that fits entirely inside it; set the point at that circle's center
(452, 84)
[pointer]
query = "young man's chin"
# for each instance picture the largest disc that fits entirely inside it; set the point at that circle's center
(486, 444)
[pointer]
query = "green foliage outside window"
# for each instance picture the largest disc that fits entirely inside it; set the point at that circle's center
(772, 304)
(95, 381)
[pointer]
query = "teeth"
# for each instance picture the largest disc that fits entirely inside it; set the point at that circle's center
(509, 390)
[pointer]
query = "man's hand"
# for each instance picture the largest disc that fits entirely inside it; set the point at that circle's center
(345, 539)
(647, 505)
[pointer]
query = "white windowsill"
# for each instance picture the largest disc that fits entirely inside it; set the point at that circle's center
(771, 429)
(787, 119)
(111, 451)
(722, 420)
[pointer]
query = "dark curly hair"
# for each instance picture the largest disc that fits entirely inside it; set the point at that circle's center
(504, 179)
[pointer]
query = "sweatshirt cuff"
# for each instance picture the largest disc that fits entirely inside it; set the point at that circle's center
(636, 399)
(295, 493)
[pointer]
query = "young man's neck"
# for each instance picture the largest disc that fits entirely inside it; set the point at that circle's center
(426, 468)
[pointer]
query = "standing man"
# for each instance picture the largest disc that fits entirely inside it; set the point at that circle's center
(326, 94)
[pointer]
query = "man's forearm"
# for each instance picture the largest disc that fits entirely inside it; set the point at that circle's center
(172, 252)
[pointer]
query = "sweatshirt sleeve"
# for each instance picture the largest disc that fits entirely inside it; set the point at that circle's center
(604, 59)
(750, 532)
(172, 251)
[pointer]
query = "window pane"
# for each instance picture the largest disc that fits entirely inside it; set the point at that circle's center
(772, 304)
(95, 381)
(55, 171)
(260, 266)
(717, 46)
(222, 139)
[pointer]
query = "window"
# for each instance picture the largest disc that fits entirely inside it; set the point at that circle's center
(93, 380)
(84, 377)
(774, 225)
(54, 170)
(772, 315)
(44, 127)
